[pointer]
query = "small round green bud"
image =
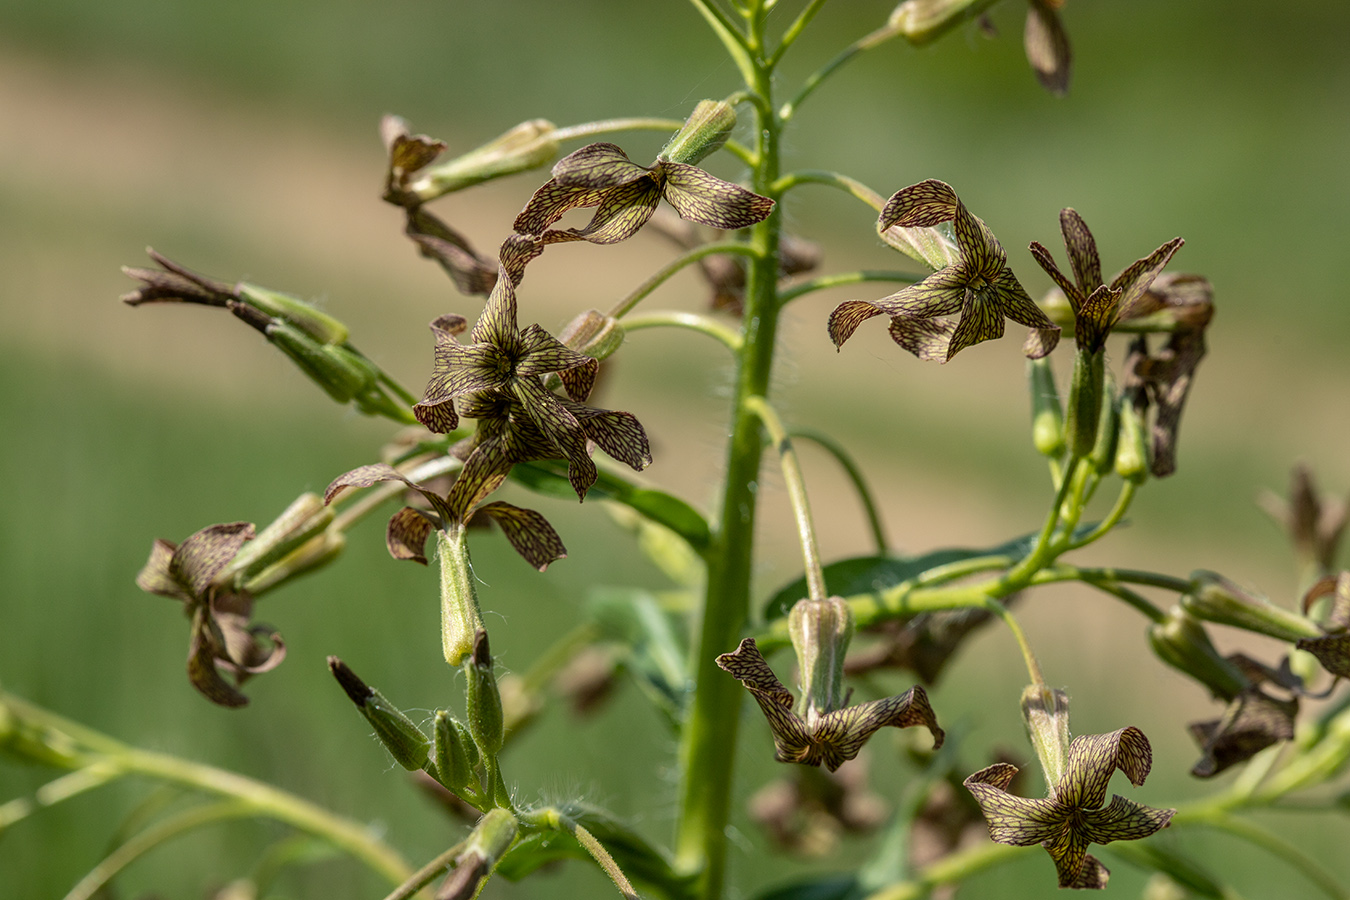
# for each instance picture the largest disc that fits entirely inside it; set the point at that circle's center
(703, 133)
(1047, 415)
(1132, 445)
(1103, 455)
(922, 21)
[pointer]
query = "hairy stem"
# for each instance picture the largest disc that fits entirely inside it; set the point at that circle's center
(692, 321)
(796, 488)
(855, 475)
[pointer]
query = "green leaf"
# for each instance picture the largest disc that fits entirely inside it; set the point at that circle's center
(549, 478)
(656, 650)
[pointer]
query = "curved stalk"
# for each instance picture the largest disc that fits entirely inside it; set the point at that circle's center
(796, 488)
(624, 306)
(793, 32)
(855, 475)
(1122, 505)
(825, 282)
(72, 784)
(833, 179)
(1276, 845)
(817, 78)
(1028, 657)
(427, 874)
(692, 321)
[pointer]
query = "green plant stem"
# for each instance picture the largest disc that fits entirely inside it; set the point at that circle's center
(1028, 657)
(1260, 837)
(708, 740)
(372, 500)
(825, 282)
(140, 844)
(793, 32)
(624, 306)
(832, 179)
(855, 475)
(1113, 518)
(427, 874)
(732, 38)
(71, 784)
(691, 321)
(796, 488)
(601, 856)
(817, 78)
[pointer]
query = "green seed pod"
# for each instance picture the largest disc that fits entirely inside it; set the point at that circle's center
(1047, 415)
(404, 740)
(529, 145)
(1103, 456)
(482, 699)
(454, 753)
(703, 133)
(1085, 401)
(1132, 444)
(319, 325)
(1045, 712)
(820, 632)
(593, 333)
(1216, 599)
(1181, 642)
(460, 616)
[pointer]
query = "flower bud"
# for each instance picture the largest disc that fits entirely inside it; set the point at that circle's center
(460, 617)
(1047, 415)
(492, 837)
(319, 325)
(820, 631)
(703, 133)
(341, 372)
(922, 21)
(404, 740)
(527, 146)
(593, 333)
(300, 522)
(1181, 642)
(1216, 599)
(1132, 443)
(483, 700)
(1085, 401)
(1103, 456)
(454, 753)
(1045, 712)
(315, 553)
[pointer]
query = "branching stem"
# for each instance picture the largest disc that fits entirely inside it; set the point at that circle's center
(691, 321)
(796, 488)
(624, 306)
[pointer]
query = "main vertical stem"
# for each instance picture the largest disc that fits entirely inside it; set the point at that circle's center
(708, 748)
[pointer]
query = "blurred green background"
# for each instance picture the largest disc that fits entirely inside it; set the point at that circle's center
(241, 139)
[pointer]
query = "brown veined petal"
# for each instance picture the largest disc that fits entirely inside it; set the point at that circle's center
(579, 381)
(437, 241)
(445, 328)
(155, 577)
(1123, 820)
(1047, 262)
(842, 733)
(515, 253)
(619, 434)
(406, 534)
(747, 665)
(497, 324)
(1082, 249)
(1015, 820)
(529, 532)
(928, 339)
(923, 205)
(365, 476)
(483, 472)
(1169, 388)
(1092, 760)
(1332, 651)
(596, 167)
(1092, 875)
(550, 203)
(846, 318)
(559, 426)
(1252, 722)
(981, 320)
(1019, 307)
(939, 294)
(437, 415)
(708, 200)
(467, 369)
(1139, 275)
(203, 647)
(621, 214)
(544, 353)
(980, 250)
(200, 558)
(1093, 320)
(1069, 851)
(1047, 47)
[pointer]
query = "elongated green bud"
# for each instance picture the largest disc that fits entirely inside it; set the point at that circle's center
(315, 553)
(1045, 712)
(461, 619)
(404, 740)
(1103, 456)
(340, 372)
(1216, 599)
(454, 753)
(1085, 401)
(703, 133)
(529, 145)
(1132, 444)
(1181, 642)
(298, 523)
(319, 325)
(1047, 415)
(593, 333)
(820, 632)
(482, 699)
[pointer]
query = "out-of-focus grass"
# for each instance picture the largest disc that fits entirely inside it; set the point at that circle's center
(240, 139)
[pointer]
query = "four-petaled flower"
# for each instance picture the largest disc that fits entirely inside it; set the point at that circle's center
(831, 737)
(626, 194)
(1073, 816)
(222, 636)
(978, 287)
(1097, 307)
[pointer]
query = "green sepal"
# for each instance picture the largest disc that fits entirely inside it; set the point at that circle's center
(528, 145)
(1216, 599)
(483, 701)
(341, 373)
(461, 618)
(310, 556)
(705, 132)
(1181, 642)
(454, 752)
(549, 478)
(1083, 414)
(319, 325)
(1045, 712)
(1047, 413)
(820, 631)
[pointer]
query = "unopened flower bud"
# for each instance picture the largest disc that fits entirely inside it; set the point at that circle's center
(319, 325)
(1132, 442)
(1216, 599)
(703, 133)
(492, 837)
(1181, 642)
(1047, 415)
(1045, 712)
(1103, 455)
(313, 554)
(341, 372)
(820, 631)
(460, 616)
(1085, 401)
(404, 740)
(922, 21)
(527, 146)
(454, 753)
(300, 522)
(482, 699)
(593, 333)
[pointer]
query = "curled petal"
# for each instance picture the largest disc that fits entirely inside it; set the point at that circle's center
(748, 666)
(516, 251)
(544, 353)
(406, 535)
(205, 645)
(1068, 849)
(928, 339)
(579, 381)
(197, 561)
(621, 213)
(1252, 722)
(1014, 820)
(1092, 759)
(1082, 249)
(437, 241)
(529, 532)
(846, 318)
(597, 166)
(1123, 820)
(155, 576)
(437, 415)
(1047, 262)
(922, 205)
(839, 735)
(550, 203)
(710, 201)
